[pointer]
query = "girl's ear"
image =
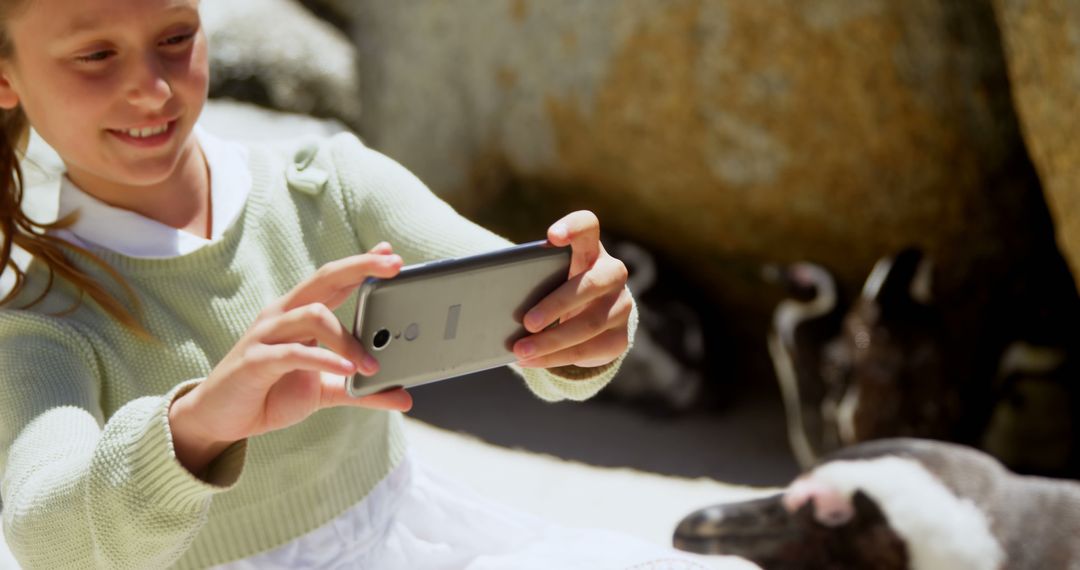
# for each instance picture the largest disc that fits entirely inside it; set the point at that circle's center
(9, 99)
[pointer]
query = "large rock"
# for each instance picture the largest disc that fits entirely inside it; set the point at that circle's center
(723, 133)
(820, 129)
(276, 53)
(1042, 48)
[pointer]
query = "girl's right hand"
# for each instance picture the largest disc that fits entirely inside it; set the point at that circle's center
(274, 376)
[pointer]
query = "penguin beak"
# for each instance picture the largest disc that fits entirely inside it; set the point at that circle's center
(764, 532)
(757, 529)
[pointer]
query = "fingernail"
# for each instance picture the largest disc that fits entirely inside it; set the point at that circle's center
(559, 230)
(370, 364)
(534, 321)
(348, 365)
(526, 348)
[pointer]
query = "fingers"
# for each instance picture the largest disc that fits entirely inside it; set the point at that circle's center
(267, 363)
(335, 300)
(581, 231)
(316, 323)
(597, 351)
(334, 394)
(337, 276)
(608, 313)
(593, 304)
(606, 277)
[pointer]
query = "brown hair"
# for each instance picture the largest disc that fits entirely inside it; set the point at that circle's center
(19, 230)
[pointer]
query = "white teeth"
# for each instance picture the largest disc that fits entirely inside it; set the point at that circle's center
(147, 132)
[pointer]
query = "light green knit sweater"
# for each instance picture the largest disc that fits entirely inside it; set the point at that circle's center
(89, 475)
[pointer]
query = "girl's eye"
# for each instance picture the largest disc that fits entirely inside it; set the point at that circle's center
(178, 40)
(94, 57)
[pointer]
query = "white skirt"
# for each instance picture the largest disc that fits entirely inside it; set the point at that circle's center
(415, 519)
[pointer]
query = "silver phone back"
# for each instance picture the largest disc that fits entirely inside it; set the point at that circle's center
(452, 317)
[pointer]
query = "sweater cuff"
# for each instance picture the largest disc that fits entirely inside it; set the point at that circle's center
(161, 476)
(577, 382)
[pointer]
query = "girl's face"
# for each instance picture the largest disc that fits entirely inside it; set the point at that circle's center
(115, 86)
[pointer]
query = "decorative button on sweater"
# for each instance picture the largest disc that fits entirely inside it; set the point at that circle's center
(301, 176)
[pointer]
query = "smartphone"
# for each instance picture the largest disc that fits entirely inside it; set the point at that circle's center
(450, 317)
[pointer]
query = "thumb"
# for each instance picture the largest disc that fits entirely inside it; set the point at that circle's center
(382, 247)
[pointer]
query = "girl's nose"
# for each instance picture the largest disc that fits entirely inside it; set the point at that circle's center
(149, 86)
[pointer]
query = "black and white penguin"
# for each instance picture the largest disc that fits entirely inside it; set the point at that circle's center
(665, 373)
(900, 503)
(1032, 428)
(802, 325)
(886, 374)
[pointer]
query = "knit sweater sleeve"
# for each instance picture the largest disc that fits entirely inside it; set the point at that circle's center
(81, 490)
(388, 203)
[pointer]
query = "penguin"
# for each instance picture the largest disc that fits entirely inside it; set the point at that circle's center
(886, 373)
(665, 371)
(801, 326)
(898, 504)
(1032, 428)
(1032, 415)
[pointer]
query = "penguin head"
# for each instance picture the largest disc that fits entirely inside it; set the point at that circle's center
(899, 280)
(776, 536)
(802, 281)
(877, 511)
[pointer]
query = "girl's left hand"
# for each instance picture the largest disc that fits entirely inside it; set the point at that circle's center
(592, 307)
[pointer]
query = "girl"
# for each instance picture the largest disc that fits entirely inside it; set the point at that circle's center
(172, 391)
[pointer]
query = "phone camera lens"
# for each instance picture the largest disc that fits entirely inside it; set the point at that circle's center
(381, 339)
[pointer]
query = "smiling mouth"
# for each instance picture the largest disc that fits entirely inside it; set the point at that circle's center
(146, 135)
(147, 132)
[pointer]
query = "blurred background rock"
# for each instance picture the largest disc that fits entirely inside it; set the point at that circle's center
(719, 136)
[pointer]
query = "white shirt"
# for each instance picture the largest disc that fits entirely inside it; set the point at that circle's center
(132, 234)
